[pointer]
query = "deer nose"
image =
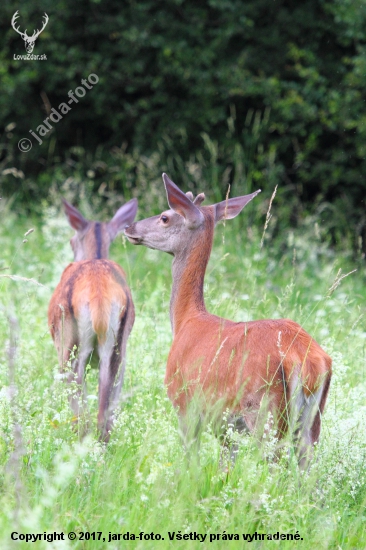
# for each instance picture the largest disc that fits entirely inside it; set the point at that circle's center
(128, 230)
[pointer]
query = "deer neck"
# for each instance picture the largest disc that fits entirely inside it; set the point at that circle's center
(96, 243)
(188, 269)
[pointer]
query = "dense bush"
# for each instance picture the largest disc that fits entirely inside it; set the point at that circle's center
(277, 84)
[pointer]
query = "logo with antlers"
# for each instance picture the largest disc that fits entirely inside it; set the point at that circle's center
(28, 40)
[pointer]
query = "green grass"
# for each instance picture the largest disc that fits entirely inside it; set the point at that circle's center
(141, 481)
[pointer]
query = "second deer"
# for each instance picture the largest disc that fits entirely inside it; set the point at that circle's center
(91, 308)
(241, 367)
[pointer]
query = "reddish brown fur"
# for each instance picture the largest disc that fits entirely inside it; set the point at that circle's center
(245, 368)
(92, 308)
(97, 283)
(238, 363)
(90, 242)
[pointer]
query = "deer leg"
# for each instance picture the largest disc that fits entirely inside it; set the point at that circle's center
(308, 427)
(118, 364)
(112, 355)
(78, 399)
(74, 343)
(106, 381)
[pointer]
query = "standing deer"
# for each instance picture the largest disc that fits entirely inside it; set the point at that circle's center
(92, 307)
(236, 366)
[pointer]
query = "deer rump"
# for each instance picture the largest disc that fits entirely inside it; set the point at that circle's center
(93, 298)
(93, 305)
(242, 366)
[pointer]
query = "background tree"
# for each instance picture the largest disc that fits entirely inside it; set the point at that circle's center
(248, 93)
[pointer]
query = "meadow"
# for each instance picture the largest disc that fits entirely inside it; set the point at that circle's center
(51, 481)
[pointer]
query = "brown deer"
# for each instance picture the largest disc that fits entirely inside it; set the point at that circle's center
(91, 308)
(240, 367)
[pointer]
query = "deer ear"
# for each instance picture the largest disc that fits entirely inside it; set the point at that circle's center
(122, 218)
(76, 219)
(226, 210)
(181, 204)
(199, 199)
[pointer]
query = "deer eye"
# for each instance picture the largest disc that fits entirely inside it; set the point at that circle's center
(164, 219)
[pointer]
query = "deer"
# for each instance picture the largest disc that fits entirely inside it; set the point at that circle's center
(246, 367)
(92, 308)
(29, 41)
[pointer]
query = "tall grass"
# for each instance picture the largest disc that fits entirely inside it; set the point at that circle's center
(141, 481)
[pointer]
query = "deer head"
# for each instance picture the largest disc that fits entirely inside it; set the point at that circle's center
(176, 230)
(92, 239)
(28, 40)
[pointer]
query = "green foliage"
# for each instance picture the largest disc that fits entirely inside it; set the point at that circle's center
(141, 482)
(277, 86)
